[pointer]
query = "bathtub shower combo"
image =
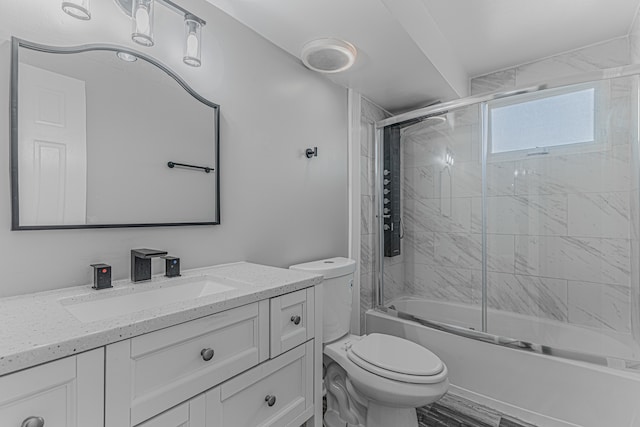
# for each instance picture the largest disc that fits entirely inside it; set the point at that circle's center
(509, 245)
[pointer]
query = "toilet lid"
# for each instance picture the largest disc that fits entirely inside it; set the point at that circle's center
(396, 355)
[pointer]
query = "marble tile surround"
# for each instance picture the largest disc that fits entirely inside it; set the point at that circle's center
(571, 254)
(559, 227)
(370, 113)
(608, 54)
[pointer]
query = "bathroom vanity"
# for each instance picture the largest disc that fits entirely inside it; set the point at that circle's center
(233, 345)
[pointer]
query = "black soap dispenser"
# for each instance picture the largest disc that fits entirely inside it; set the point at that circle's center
(171, 266)
(101, 276)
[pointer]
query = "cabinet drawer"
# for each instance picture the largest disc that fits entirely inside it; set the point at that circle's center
(292, 320)
(67, 392)
(189, 414)
(156, 371)
(287, 381)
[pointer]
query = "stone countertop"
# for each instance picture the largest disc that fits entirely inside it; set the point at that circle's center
(36, 328)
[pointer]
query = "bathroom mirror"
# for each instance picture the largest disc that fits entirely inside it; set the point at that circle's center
(103, 136)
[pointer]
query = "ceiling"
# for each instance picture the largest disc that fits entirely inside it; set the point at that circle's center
(415, 52)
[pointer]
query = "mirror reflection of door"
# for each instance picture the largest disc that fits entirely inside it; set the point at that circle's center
(52, 148)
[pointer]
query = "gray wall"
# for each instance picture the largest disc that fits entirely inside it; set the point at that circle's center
(278, 208)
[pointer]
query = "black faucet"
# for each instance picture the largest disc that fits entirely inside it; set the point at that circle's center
(141, 263)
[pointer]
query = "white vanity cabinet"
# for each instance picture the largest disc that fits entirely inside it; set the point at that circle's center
(249, 366)
(188, 414)
(150, 373)
(68, 392)
(276, 393)
(292, 320)
(245, 357)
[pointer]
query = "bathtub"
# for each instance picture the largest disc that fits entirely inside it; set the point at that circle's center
(526, 328)
(537, 388)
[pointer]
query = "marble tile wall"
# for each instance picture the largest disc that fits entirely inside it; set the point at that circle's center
(370, 113)
(559, 227)
(608, 54)
(560, 244)
(634, 57)
(442, 253)
(634, 40)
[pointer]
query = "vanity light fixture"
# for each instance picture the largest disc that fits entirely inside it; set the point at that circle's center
(142, 21)
(192, 30)
(127, 57)
(141, 13)
(77, 8)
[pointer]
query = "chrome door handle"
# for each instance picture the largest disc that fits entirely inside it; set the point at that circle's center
(270, 399)
(207, 354)
(296, 320)
(33, 422)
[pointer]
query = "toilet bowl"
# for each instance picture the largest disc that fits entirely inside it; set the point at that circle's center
(374, 380)
(390, 376)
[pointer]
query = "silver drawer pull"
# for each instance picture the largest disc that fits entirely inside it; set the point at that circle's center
(35, 422)
(207, 354)
(271, 400)
(296, 320)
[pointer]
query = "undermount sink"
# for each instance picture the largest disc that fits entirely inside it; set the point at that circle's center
(172, 291)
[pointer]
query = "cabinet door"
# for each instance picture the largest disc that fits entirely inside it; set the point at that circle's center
(189, 414)
(277, 393)
(67, 393)
(149, 374)
(292, 320)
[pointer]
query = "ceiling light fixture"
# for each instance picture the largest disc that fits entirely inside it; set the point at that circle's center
(77, 8)
(141, 13)
(127, 57)
(328, 55)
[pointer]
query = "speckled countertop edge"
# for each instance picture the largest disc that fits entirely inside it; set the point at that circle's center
(36, 328)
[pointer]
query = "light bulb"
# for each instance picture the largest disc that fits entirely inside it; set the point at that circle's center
(192, 42)
(142, 20)
(192, 45)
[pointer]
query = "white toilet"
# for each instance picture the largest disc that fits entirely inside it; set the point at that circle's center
(374, 380)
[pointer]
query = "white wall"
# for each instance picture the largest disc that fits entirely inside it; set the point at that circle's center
(278, 208)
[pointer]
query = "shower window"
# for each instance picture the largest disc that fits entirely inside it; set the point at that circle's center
(562, 119)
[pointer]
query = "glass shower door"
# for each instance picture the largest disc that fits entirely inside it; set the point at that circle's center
(436, 273)
(561, 202)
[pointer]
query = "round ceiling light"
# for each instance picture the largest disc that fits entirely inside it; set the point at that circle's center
(328, 55)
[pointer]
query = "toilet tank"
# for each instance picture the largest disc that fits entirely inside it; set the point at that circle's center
(337, 294)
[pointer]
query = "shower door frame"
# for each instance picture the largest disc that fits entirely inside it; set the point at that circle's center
(482, 101)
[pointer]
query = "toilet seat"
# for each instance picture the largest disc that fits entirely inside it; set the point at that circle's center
(397, 359)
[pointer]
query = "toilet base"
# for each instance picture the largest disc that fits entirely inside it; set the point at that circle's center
(385, 416)
(332, 419)
(377, 416)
